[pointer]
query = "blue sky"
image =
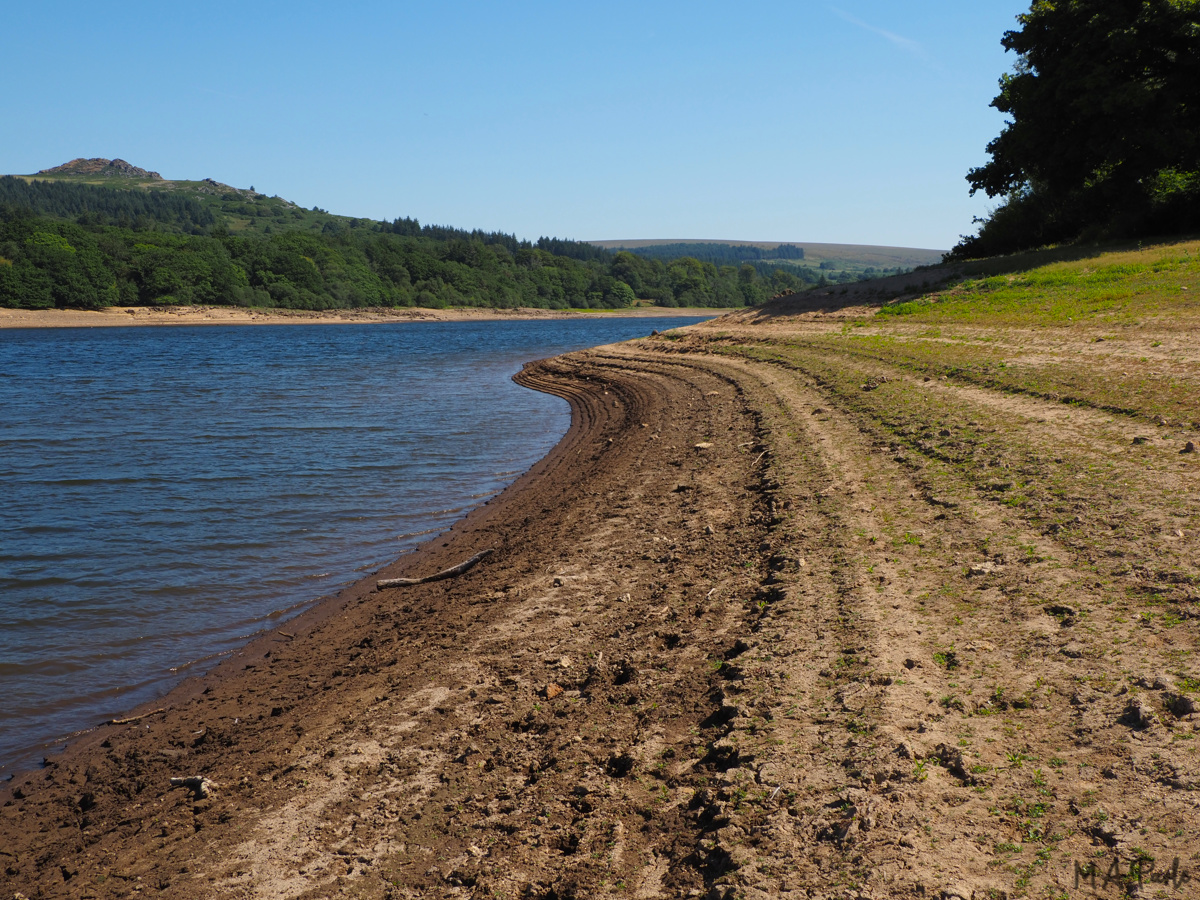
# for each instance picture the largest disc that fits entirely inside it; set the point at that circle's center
(849, 122)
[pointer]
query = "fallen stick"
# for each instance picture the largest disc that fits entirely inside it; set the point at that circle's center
(452, 572)
(134, 718)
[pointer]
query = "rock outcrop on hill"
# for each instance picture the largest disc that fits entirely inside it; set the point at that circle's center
(118, 168)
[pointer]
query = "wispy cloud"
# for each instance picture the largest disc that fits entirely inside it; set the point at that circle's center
(907, 44)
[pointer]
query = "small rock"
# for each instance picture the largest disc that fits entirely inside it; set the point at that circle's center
(978, 571)
(1155, 683)
(1189, 447)
(952, 759)
(1138, 713)
(197, 784)
(551, 691)
(708, 529)
(980, 646)
(911, 664)
(619, 765)
(703, 445)
(1180, 705)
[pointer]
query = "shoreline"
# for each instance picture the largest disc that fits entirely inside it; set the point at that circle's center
(764, 620)
(124, 316)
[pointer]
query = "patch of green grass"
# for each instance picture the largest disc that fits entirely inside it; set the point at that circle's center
(1114, 285)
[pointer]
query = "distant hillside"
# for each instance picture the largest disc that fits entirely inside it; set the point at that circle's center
(103, 232)
(811, 262)
(107, 168)
(814, 253)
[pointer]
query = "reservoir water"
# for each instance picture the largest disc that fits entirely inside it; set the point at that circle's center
(166, 492)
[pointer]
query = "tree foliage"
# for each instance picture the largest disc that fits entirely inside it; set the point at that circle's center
(718, 253)
(47, 262)
(1104, 130)
(105, 205)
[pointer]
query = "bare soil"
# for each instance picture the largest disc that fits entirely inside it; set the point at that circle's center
(780, 617)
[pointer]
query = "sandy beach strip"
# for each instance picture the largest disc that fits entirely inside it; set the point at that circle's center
(232, 315)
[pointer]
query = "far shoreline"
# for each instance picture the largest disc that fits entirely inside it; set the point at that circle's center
(123, 316)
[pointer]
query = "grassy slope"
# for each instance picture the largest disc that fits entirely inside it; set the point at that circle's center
(1119, 302)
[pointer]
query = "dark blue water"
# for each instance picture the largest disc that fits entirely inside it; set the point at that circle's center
(167, 492)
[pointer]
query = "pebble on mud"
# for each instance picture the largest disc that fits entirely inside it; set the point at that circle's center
(1181, 705)
(1157, 683)
(1138, 713)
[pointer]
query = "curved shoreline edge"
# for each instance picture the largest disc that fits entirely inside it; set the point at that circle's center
(429, 553)
(766, 620)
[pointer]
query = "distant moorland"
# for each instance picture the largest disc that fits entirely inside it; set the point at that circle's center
(96, 232)
(836, 263)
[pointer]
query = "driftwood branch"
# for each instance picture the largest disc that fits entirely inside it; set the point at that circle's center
(134, 718)
(452, 572)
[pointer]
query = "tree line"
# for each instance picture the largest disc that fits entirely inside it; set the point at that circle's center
(50, 262)
(717, 253)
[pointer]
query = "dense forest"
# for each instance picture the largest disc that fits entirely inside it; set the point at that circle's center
(72, 245)
(106, 206)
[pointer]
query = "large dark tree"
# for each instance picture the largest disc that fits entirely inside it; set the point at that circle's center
(1104, 130)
